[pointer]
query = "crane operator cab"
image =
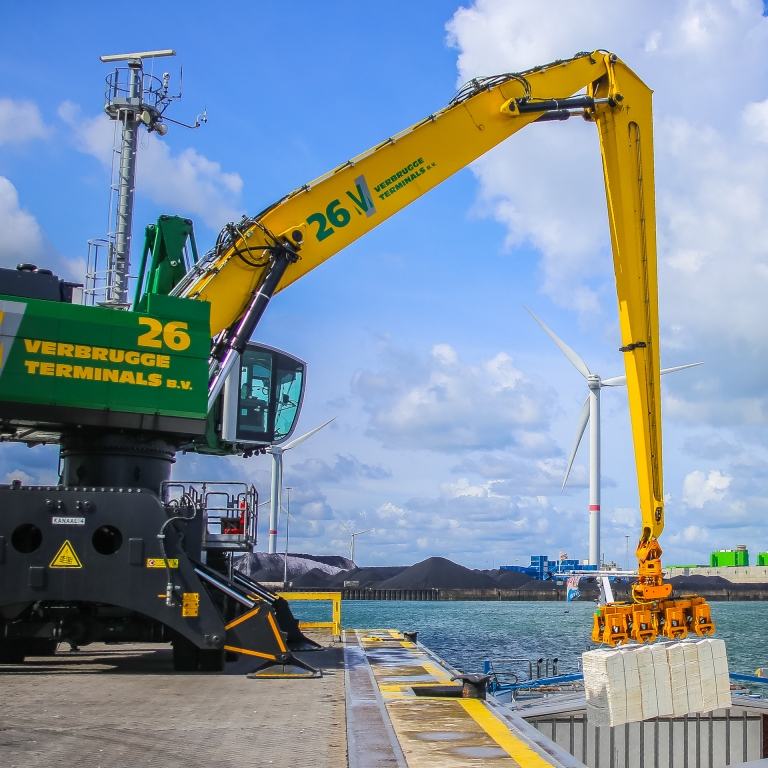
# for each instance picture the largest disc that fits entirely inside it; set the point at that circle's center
(262, 397)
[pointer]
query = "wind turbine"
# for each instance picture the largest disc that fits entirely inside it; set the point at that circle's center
(590, 412)
(276, 499)
(352, 535)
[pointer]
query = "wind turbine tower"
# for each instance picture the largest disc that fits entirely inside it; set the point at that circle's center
(590, 413)
(276, 498)
(352, 535)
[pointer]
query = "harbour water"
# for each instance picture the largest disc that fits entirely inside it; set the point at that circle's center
(467, 633)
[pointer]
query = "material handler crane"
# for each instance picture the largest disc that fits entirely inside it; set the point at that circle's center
(122, 391)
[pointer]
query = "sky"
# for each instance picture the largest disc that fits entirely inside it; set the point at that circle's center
(454, 412)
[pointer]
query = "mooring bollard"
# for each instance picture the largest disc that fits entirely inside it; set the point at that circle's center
(474, 686)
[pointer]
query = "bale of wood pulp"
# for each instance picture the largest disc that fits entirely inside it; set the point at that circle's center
(645, 670)
(676, 659)
(707, 671)
(722, 680)
(632, 684)
(663, 680)
(693, 676)
(605, 687)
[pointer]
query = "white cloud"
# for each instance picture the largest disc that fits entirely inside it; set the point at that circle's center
(625, 517)
(699, 488)
(343, 468)
(188, 182)
(756, 117)
(691, 534)
(21, 238)
(21, 121)
(444, 404)
(464, 488)
(18, 474)
(546, 185)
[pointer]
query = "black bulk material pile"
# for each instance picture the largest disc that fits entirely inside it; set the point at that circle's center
(438, 573)
(510, 579)
(358, 578)
(270, 568)
(312, 579)
(694, 582)
(367, 577)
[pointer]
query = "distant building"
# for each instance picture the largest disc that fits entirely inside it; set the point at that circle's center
(543, 568)
(724, 558)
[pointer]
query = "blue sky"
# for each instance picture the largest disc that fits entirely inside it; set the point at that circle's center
(455, 412)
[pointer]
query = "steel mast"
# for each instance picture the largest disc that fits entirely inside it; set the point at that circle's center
(133, 99)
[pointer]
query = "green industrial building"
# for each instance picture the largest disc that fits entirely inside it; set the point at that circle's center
(733, 557)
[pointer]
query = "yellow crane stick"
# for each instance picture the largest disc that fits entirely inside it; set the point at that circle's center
(626, 144)
(324, 216)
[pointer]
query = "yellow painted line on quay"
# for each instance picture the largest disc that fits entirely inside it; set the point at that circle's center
(500, 733)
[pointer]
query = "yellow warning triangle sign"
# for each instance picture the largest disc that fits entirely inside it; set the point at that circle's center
(66, 557)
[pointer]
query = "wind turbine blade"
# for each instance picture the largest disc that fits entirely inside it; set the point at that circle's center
(367, 530)
(309, 434)
(578, 363)
(621, 381)
(680, 367)
(580, 427)
(344, 526)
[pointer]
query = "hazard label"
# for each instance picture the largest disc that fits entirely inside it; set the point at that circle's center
(190, 604)
(66, 557)
(158, 562)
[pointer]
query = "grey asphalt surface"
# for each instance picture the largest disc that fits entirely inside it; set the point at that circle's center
(112, 706)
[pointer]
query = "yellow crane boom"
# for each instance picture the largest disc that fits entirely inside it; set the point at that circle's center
(259, 256)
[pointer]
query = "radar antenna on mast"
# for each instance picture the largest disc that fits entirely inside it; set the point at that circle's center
(132, 98)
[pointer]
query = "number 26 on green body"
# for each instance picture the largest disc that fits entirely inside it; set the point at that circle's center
(174, 334)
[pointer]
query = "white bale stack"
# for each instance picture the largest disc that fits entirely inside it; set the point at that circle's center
(635, 682)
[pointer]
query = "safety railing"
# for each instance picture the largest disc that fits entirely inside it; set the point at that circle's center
(712, 740)
(229, 511)
(335, 597)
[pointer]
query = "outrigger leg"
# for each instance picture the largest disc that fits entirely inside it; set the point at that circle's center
(266, 629)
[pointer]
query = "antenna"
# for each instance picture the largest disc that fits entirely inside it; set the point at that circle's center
(132, 98)
(115, 57)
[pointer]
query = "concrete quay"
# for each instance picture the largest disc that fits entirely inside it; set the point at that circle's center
(122, 706)
(737, 574)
